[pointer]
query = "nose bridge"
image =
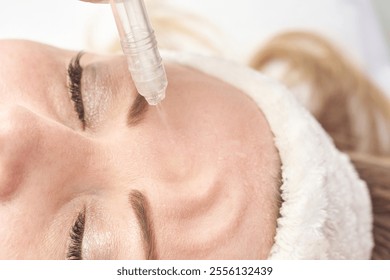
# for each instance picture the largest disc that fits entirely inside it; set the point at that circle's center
(38, 152)
(12, 147)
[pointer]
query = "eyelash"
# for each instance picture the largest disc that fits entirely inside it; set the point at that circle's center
(75, 72)
(76, 237)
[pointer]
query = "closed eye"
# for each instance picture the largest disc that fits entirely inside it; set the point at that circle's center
(75, 73)
(136, 111)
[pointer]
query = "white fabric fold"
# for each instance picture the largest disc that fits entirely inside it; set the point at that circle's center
(326, 209)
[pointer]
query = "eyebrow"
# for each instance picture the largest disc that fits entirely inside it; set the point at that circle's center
(141, 208)
(137, 111)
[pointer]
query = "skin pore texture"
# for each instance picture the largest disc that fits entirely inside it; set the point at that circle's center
(197, 178)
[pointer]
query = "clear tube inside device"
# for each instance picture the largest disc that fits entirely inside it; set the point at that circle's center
(140, 47)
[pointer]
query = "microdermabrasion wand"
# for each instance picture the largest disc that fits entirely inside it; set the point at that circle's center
(140, 47)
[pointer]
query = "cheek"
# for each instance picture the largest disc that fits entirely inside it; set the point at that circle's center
(31, 229)
(42, 166)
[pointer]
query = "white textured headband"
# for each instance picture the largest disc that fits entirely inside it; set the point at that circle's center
(326, 209)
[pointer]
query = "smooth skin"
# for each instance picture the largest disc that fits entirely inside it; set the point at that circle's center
(204, 161)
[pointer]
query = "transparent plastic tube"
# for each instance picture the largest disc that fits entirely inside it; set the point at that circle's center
(140, 47)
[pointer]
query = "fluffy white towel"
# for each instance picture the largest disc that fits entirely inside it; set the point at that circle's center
(326, 209)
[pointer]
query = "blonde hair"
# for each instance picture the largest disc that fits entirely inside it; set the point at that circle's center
(346, 103)
(375, 171)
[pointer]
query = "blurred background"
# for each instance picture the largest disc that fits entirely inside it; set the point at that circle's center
(232, 29)
(382, 7)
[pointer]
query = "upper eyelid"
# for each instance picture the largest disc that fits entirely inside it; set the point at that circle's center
(137, 109)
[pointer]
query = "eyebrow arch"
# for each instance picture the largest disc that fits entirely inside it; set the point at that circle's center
(141, 208)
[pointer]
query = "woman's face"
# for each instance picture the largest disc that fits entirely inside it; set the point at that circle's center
(105, 176)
